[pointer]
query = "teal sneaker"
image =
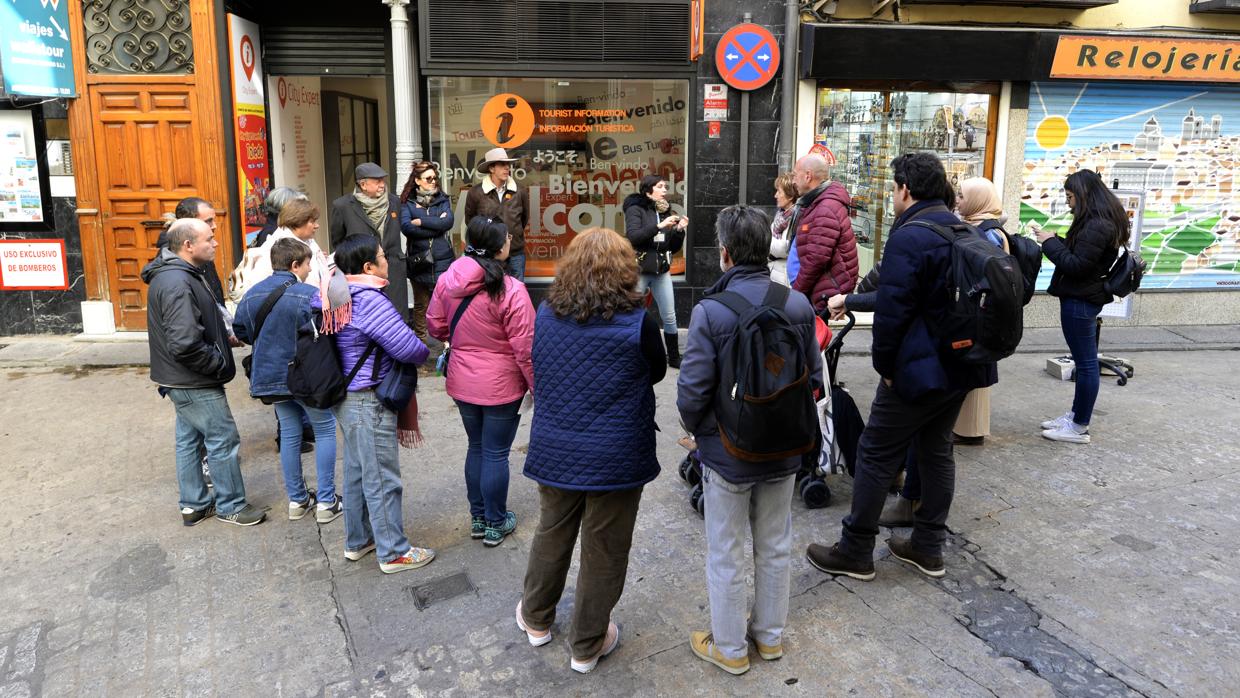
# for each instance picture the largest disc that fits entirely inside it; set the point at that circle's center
(477, 527)
(496, 533)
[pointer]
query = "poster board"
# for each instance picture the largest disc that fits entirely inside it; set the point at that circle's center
(25, 196)
(250, 121)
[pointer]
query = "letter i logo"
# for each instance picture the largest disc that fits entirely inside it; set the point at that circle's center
(507, 120)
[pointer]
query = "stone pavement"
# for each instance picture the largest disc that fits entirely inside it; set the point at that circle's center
(1109, 569)
(129, 348)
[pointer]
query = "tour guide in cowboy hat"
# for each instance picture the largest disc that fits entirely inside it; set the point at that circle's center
(499, 197)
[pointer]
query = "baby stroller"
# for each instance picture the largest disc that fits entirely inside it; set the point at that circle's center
(831, 456)
(839, 420)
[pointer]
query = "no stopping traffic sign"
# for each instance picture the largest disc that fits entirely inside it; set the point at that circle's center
(747, 57)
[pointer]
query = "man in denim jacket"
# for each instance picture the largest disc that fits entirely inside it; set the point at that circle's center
(275, 344)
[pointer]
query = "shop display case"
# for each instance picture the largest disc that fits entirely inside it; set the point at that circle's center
(866, 129)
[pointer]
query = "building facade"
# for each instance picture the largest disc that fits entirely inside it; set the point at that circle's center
(225, 100)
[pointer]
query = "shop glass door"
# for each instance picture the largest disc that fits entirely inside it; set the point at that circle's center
(866, 129)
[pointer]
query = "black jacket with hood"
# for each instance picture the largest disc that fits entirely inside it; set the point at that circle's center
(641, 226)
(185, 329)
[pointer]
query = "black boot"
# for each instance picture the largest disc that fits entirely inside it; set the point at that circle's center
(671, 339)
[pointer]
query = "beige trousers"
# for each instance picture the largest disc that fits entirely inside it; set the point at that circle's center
(974, 419)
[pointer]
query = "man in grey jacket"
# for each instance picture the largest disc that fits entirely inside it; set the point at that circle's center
(740, 494)
(191, 361)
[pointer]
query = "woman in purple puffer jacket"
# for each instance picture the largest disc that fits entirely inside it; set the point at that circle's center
(372, 485)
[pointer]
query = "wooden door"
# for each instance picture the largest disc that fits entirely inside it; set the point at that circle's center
(147, 145)
(145, 135)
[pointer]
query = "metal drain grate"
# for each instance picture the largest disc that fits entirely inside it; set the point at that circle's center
(441, 589)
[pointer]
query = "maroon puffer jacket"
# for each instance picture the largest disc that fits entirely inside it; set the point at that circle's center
(826, 247)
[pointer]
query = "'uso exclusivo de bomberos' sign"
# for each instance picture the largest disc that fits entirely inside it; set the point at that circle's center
(1138, 58)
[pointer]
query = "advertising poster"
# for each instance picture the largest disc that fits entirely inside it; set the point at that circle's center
(21, 199)
(35, 55)
(250, 117)
(1178, 145)
(297, 137)
(582, 147)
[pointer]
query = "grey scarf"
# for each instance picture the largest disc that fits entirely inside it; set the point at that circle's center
(376, 209)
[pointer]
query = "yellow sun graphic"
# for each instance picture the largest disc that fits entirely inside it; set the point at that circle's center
(1052, 133)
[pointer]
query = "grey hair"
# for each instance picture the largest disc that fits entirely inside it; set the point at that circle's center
(275, 201)
(184, 230)
(745, 232)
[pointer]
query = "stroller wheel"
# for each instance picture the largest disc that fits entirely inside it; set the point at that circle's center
(697, 501)
(815, 493)
(695, 472)
(686, 466)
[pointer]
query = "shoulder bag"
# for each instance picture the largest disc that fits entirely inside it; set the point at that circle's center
(441, 366)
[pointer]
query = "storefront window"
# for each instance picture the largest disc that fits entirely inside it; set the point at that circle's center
(590, 143)
(865, 130)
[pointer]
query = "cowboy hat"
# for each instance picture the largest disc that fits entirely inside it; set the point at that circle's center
(493, 156)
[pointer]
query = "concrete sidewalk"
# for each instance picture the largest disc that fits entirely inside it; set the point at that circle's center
(130, 349)
(1100, 570)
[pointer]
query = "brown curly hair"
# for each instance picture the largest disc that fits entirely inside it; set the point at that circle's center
(596, 276)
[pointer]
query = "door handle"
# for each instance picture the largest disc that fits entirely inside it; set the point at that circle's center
(155, 223)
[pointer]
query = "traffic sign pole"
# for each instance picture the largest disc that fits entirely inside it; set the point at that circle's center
(747, 57)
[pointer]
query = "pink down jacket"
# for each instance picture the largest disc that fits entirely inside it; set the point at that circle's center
(490, 362)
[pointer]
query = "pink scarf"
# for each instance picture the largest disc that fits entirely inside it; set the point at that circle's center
(408, 433)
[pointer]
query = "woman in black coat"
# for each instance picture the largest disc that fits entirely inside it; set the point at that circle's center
(426, 220)
(1082, 258)
(656, 233)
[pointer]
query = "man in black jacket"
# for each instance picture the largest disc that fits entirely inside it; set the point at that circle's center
(919, 392)
(372, 210)
(191, 361)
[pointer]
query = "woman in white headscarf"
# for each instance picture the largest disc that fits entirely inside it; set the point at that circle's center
(980, 206)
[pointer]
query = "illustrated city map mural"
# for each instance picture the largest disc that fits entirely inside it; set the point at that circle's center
(1178, 144)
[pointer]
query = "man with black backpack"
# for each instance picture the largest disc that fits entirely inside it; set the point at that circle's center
(746, 392)
(941, 282)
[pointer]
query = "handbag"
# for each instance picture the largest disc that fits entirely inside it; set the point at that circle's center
(441, 366)
(247, 362)
(398, 386)
(1125, 274)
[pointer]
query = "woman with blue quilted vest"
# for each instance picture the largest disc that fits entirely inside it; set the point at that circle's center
(597, 356)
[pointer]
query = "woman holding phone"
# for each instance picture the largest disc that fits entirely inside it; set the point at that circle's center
(1082, 257)
(656, 234)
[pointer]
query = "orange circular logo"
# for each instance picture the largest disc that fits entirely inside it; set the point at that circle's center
(507, 120)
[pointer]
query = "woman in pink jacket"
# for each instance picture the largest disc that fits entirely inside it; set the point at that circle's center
(490, 368)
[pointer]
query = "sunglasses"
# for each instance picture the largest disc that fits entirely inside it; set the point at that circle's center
(431, 178)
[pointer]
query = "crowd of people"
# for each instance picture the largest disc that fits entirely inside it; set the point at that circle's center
(587, 359)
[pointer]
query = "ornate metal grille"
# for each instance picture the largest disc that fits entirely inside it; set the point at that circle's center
(138, 36)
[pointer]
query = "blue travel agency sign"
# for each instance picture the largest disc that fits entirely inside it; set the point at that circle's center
(35, 55)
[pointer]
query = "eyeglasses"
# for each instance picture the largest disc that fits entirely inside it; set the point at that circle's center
(431, 178)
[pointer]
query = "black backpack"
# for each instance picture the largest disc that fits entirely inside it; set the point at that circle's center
(314, 375)
(985, 320)
(1028, 254)
(1125, 274)
(765, 403)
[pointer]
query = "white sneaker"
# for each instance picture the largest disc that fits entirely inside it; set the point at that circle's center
(1069, 433)
(1062, 420)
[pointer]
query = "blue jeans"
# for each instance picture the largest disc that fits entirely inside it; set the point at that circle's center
(763, 510)
(661, 286)
(291, 413)
(491, 429)
(1080, 329)
(372, 486)
(203, 418)
(515, 266)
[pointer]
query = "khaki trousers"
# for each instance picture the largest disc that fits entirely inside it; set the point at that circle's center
(605, 521)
